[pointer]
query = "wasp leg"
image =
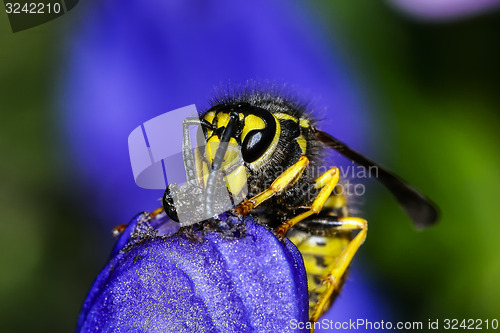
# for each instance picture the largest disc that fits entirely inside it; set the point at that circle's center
(326, 182)
(286, 179)
(118, 230)
(156, 212)
(337, 205)
(333, 281)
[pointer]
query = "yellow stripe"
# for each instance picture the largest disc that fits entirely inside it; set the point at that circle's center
(335, 201)
(222, 119)
(285, 116)
(304, 123)
(236, 180)
(252, 123)
(302, 143)
(209, 116)
(269, 151)
(333, 246)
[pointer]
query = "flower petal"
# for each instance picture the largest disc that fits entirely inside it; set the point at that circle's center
(252, 284)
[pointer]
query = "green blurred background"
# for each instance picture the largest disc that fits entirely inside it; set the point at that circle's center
(434, 92)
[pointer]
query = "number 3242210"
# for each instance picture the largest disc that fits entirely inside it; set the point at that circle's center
(32, 8)
(470, 324)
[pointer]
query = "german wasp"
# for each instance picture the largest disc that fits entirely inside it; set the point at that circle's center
(281, 150)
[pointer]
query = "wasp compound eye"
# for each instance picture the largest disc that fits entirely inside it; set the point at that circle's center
(262, 130)
(255, 144)
(168, 201)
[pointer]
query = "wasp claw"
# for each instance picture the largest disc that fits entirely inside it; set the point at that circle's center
(118, 230)
(245, 207)
(280, 234)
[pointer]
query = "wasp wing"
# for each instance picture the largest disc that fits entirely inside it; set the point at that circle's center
(421, 209)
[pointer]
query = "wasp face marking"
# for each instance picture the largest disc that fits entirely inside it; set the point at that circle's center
(256, 135)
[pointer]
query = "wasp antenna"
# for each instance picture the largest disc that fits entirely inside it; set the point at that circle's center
(217, 162)
(419, 208)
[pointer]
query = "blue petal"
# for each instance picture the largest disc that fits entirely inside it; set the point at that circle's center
(252, 284)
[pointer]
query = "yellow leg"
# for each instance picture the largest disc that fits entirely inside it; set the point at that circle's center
(286, 179)
(331, 283)
(156, 212)
(326, 182)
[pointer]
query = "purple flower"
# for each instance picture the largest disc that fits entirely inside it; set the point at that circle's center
(253, 283)
(445, 9)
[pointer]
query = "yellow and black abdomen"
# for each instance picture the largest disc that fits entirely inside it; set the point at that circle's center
(320, 248)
